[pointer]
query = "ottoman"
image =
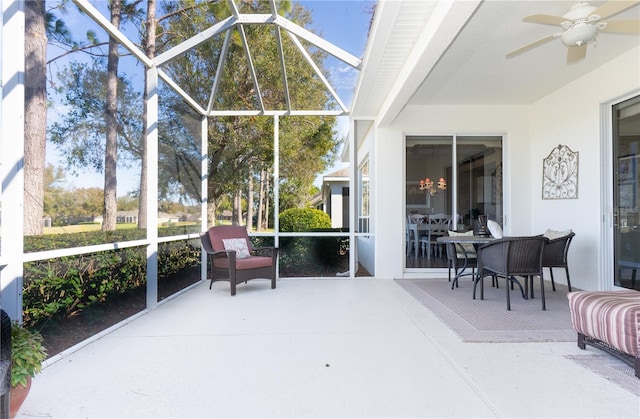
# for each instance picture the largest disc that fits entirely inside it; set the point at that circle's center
(610, 321)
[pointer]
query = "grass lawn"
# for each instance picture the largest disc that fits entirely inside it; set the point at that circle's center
(81, 228)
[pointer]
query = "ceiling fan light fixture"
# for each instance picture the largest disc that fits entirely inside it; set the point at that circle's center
(579, 34)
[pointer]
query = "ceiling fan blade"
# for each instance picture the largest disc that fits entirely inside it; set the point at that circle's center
(576, 53)
(532, 45)
(545, 19)
(623, 26)
(611, 8)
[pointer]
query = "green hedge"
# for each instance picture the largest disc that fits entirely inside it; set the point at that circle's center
(303, 219)
(64, 286)
(311, 255)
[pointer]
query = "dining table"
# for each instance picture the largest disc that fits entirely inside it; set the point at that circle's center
(475, 241)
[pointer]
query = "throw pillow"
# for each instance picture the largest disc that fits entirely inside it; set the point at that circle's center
(239, 245)
(554, 234)
(468, 247)
(494, 229)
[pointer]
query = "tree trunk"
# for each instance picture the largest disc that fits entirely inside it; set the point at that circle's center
(35, 115)
(211, 214)
(266, 202)
(150, 50)
(111, 147)
(250, 203)
(260, 222)
(237, 208)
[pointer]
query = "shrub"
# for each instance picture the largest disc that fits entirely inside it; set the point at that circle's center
(64, 286)
(303, 219)
(27, 354)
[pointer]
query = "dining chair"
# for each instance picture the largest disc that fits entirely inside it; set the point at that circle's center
(459, 255)
(412, 233)
(510, 257)
(555, 256)
(438, 227)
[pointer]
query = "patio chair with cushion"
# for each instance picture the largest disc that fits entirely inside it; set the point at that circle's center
(510, 257)
(555, 253)
(232, 258)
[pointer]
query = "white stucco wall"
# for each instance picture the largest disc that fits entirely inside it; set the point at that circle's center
(366, 245)
(571, 116)
(337, 204)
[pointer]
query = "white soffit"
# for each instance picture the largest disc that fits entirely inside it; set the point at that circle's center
(408, 38)
(453, 53)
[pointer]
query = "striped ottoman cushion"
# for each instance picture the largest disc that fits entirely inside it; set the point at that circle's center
(610, 316)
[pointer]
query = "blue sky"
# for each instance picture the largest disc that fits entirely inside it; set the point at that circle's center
(344, 23)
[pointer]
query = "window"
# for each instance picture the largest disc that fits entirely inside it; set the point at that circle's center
(363, 198)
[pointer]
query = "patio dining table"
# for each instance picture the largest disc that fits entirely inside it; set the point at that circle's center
(475, 240)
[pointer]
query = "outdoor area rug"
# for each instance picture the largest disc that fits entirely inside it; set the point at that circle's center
(488, 320)
(611, 368)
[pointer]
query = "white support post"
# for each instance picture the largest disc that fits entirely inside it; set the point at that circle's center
(276, 182)
(353, 187)
(12, 157)
(204, 189)
(152, 187)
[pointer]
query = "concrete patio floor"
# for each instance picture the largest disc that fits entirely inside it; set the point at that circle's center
(314, 348)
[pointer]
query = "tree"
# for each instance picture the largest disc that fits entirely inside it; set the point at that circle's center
(240, 148)
(111, 122)
(80, 133)
(40, 27)
(35, 115)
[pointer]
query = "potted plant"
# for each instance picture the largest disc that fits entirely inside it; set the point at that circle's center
(27, 354)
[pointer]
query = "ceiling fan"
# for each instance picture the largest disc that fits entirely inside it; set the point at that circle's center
(581, 25)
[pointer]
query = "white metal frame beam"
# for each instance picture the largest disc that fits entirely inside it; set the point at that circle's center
(12, 117)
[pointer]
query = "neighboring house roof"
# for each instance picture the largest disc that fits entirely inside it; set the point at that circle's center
(316, 200)
(130, 213)
(453, 53)
(338, 175)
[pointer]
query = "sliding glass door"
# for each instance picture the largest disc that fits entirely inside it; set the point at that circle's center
(452, 175)
(626, 193)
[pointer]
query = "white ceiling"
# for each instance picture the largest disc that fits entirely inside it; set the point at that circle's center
(474, 70)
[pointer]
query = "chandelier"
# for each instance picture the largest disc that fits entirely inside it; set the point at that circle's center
(428, 185)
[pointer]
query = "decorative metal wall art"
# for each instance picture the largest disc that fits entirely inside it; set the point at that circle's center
(560, 174)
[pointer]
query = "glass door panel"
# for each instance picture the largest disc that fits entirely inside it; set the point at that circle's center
(626, 152)
(479, 179)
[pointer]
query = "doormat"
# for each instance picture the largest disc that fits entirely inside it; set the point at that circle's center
(612, 369)
(488, 320)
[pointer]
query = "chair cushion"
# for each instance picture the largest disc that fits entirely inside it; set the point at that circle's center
(468, 247)
(553, 234)
(494, 229)
(252, 262)
(239, 245)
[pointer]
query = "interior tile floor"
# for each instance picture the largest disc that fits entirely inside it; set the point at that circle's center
(313, 348)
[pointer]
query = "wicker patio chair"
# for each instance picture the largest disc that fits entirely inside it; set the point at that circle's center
(510, 257)
(232, 258)
(555, 256)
